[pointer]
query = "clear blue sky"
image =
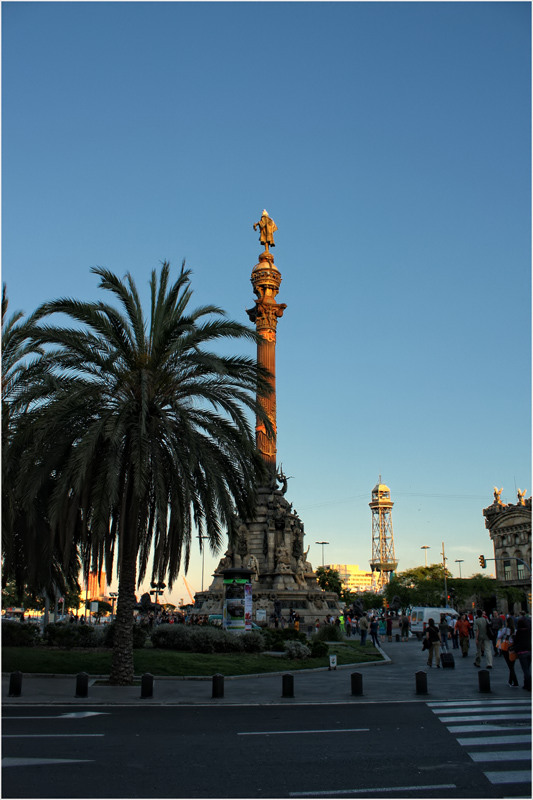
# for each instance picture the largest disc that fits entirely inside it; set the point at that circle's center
(390, 142)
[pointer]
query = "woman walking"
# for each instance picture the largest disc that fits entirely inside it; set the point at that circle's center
(503, 644)
(433, 638)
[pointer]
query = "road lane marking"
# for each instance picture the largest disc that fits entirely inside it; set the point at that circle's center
(509, 776)
(519, 739)
(74, 715)
(490, 710)
(476, 718)
(48, 735)
(32, 762)
(449, 703)
(322, 730)
(330, 792)
(478, 728)
(498, 755)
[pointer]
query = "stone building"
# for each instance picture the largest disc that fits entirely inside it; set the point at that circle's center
(509, 525)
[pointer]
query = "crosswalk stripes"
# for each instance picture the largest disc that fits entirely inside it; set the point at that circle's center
(505, 724)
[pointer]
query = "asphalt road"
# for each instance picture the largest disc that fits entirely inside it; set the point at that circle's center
(479, 748)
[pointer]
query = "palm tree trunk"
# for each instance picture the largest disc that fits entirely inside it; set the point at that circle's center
(122, 668)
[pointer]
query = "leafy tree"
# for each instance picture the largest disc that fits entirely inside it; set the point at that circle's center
(368, 600)
(328, 580)
(146, 433)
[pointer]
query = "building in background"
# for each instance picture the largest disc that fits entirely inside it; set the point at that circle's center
(509, 525)
(355, 579)
(97, 586)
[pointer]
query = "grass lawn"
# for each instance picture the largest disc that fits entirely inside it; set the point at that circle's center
(51, 660)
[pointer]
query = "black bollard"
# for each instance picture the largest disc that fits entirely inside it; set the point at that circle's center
(82, 684)
(421, 682)
(147, 685)
(15, 684)
(484, 680)
(218, 685)
(357, 683)
(397, 637)
(287, 683)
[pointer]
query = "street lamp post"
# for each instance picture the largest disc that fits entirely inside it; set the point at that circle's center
(322, 543)
(157, 589)
(459, 561)
(202, 538)
(444, 559)
(425, 548)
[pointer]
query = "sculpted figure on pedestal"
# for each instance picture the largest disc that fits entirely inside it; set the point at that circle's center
(267, 227)
(497, 495)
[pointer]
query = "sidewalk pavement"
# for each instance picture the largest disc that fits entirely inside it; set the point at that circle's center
(391, 680)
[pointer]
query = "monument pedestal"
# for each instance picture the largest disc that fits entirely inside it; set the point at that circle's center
(271, 547)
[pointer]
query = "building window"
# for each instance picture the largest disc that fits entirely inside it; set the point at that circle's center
(521, 570)
(507, 571)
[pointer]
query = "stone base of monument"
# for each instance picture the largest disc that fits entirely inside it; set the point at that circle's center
(271, 547)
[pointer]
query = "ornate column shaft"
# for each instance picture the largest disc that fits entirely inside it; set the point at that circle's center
(266, 280)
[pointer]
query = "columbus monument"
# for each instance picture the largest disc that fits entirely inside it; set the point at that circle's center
(271, 545)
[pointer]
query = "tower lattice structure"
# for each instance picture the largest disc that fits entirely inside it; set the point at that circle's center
(383, 560)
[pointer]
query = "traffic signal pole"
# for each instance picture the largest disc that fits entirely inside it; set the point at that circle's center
(483, 561)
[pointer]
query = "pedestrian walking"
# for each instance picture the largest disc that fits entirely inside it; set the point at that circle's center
(433, 640)
(364, 626)
(462, 627)
(389, 628)
(443, 631)
(504, 644)
(522, 648)
(483, 638)
(374, 631)
(404, 622)
(496, 625)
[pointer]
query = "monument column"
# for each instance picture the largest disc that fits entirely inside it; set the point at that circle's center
(266, 280)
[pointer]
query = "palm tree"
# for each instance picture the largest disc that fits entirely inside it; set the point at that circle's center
(145, 431)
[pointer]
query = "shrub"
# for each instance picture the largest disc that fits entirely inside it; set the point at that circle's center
(329, 633)
(19, 634)
(205, 639)
(253, 642)
(66, 635)
(319, 649)
(297, 650)
(275, 638)
(140, 632)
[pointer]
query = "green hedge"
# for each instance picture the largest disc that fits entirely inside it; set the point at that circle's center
(319, 649)
(68, 635)
(206, 639)
(276, 638)
(20, 634)
(329, 633)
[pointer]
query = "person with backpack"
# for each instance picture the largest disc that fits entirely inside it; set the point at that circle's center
(483, 636)
(433, 641)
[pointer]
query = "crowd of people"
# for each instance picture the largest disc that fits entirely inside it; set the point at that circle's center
(505, 636)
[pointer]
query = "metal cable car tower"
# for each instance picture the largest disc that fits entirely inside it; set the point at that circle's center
(383, 560)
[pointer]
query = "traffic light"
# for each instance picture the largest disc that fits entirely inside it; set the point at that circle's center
(482, 562)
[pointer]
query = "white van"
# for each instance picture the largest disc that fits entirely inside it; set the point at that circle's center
(420, 615)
